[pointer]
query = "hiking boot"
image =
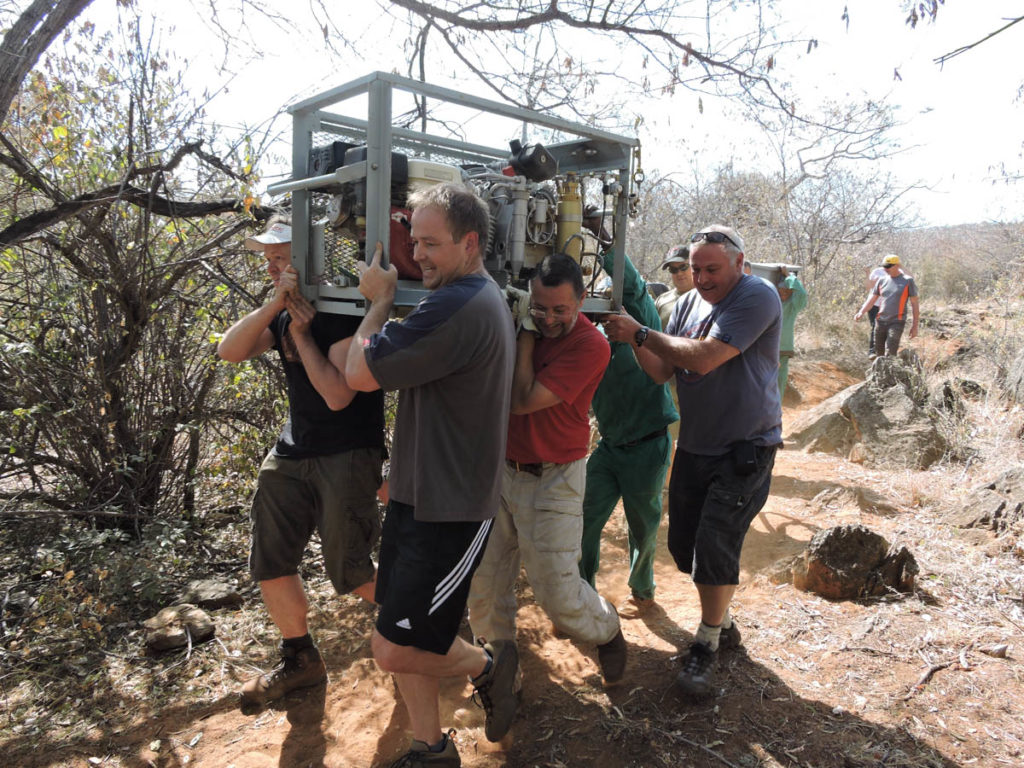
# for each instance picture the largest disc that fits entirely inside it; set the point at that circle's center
(420, 754)
(698, 673)
(495, 692)
(297, 669)
(611, 657)
(730, 638)
(634, 607)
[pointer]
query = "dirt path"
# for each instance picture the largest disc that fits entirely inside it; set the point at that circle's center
(817, 684)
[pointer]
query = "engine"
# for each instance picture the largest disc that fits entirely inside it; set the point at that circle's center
(534, 209)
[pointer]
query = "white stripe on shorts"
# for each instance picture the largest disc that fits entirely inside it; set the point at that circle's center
(458, 574)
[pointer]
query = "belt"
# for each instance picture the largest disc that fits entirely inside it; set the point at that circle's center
(534, 469)
(653, 436)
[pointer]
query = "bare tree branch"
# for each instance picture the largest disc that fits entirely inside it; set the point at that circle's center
(964, 48)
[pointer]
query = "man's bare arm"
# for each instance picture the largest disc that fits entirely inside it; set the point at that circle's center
(662, 353)
(250, 337)
(379, 286)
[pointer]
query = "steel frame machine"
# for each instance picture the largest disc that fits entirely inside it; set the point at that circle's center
(351, 175)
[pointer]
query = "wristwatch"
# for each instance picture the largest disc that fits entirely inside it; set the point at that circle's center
(641, 335)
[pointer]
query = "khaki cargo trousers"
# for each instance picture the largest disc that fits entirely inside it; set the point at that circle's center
(539, 525)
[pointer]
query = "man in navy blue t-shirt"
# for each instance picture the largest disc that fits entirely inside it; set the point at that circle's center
(722, 347)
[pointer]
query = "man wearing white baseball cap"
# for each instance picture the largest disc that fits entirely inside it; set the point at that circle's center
(323, 473)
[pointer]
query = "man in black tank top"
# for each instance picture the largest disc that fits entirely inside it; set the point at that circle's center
(323, 473)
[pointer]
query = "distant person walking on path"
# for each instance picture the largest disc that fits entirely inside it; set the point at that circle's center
(794, 299)
(451, 360)
(322, 474)
(874, 276)
(892, 293)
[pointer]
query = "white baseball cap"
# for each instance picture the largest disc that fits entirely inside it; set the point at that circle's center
(275, 233)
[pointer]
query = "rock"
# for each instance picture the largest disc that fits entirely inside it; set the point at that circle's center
(173, 625)
(997, 505)
(823, 428)
(951, 394)
(212, 594)
(851, 561)
(860, 498)
(881, 421)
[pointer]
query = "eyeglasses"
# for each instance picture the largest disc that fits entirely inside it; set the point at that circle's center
(889, 266)
(539, 313)
(714, 237)
(680, 268)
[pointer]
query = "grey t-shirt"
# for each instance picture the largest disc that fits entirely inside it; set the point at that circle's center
(739, 400)
(894, 295)
(451, 359)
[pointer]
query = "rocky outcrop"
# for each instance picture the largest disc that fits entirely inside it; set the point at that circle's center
(883, 420)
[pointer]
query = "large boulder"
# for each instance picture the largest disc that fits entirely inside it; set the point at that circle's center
(884, 420)
(852, 561)
(824, 428)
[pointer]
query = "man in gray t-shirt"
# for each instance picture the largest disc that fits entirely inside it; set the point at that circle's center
(451, 359)
(722, 347)
(892, 293)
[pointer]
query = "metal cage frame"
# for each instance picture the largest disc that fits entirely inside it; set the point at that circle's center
(590, 151)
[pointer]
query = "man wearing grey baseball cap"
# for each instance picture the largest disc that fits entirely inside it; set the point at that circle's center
(323, 473)
(677, 262)
(722, 347)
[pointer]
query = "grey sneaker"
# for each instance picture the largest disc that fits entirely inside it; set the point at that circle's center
(297, 669)
(496, 692)
(611, 656)
(697, 676)
(730, 638)
(420, 754)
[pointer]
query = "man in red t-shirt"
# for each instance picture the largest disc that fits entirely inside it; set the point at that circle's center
(540, 521)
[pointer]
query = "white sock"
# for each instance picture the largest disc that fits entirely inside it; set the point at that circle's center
(727, 620)
(708, 635)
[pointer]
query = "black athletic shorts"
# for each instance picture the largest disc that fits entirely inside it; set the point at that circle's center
(423, 577)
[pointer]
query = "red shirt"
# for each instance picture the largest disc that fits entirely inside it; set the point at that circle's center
(571, 367)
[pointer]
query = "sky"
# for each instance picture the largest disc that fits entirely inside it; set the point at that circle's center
(962, 121)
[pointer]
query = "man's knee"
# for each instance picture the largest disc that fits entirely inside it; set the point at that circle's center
(389, 656)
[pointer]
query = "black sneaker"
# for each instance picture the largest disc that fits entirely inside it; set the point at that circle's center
(697, 676)
(297, 669)
(611, 656)
(495, 692)
(420, 754)
(730, 638)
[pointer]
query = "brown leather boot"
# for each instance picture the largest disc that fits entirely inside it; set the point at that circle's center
(297, 669)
